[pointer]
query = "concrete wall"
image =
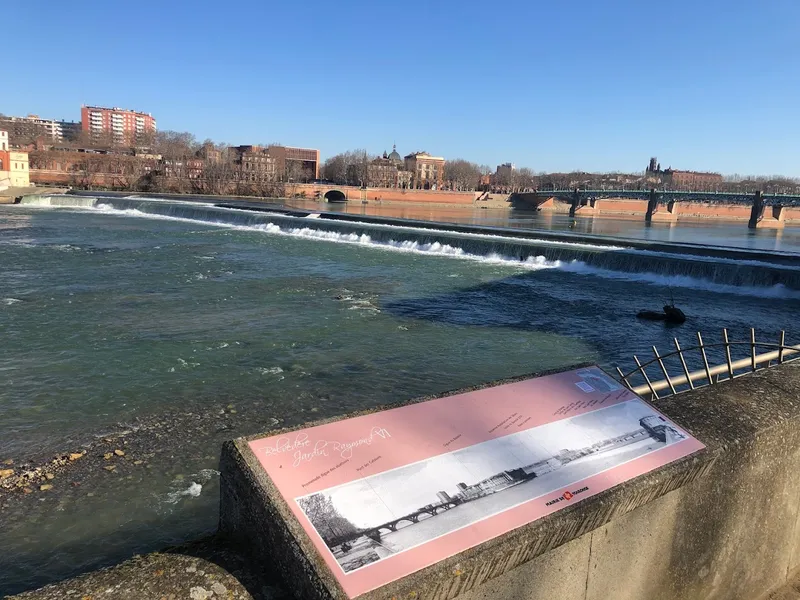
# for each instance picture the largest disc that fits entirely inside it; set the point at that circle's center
(621, 206)
(731, 533)
(356, 194)
(18, 169)
(722, 524)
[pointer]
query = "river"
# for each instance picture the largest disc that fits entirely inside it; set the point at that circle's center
(120, 312)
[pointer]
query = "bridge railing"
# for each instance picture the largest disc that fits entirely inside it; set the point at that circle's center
(687, 379)
(708, 196)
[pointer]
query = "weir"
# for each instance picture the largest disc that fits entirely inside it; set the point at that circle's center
(586, 255)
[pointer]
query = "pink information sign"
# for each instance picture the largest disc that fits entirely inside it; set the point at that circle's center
(389, 493)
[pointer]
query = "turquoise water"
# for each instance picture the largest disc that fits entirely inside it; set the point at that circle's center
(112, 315)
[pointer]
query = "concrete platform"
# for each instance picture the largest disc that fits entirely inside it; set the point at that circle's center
(203, 570)
(722, 525)
(719, 524)
(9, 195)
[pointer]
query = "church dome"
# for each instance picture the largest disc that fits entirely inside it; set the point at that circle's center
(394, 155)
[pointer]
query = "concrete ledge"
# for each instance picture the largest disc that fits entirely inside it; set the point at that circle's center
(719, 524)
(722, 524)
(203, 570)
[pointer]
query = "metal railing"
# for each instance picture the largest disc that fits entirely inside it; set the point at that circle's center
(709, 375)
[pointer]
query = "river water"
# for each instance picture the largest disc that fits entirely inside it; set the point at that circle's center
(119, 310)
(689, 230)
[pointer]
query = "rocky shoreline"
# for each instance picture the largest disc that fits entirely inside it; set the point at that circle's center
(124, 449)
(95, 471)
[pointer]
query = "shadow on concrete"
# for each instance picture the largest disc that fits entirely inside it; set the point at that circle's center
(218, 550)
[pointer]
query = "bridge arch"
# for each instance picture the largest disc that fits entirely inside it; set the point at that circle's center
(335, 196)
(410, 520)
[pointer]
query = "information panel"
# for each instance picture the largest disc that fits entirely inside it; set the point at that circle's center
(389, 493)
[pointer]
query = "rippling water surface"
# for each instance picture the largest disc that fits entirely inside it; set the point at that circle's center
(109, 315)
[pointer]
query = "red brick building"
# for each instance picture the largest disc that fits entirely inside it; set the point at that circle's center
(119, 123)
(681, 180)
(280, 162)
(692, 180)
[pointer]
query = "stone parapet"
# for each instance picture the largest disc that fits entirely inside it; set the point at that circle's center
(719, 524)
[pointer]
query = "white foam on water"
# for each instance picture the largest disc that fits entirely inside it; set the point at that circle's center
(531, 263)
(21, 243)
(207, 474)
(193, 491)
(778, 291)
(10, 301)
(269, 370)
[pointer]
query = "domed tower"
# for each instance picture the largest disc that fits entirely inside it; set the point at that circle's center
(395, 156)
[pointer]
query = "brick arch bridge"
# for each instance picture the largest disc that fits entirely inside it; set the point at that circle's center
(333, 195)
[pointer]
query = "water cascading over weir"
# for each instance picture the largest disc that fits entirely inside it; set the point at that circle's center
(588, 255)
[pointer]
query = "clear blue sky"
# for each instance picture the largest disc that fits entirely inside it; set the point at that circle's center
(580, 84)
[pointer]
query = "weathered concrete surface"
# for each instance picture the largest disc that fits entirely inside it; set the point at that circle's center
(730, 534)
(10, 195)
(789, 591)
(206, 570)
(722, 524)
(253, 512)
(560, 573)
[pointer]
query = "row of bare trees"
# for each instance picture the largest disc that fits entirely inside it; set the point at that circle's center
(348, 168)
(169, 162)
(326, 519)
(177, 161)
(352, 168)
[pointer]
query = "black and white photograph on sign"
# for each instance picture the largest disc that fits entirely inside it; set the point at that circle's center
(370, 519)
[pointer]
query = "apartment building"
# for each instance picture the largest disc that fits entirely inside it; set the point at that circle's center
(121, 124)
(25, 130)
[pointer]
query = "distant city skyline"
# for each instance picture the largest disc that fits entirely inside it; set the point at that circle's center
(594, 87)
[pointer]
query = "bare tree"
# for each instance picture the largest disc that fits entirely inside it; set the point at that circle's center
(328, 522)
(462, 175)
(265, 184)
(220, 177)
(335, 169)
(175, 144)
(89, 172)
(526, 180)
(295, 174)
(348, 168)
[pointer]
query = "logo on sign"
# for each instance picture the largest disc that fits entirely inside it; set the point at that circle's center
(566, 496)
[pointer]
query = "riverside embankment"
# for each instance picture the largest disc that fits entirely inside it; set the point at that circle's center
(719, 524)
(160, 319)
